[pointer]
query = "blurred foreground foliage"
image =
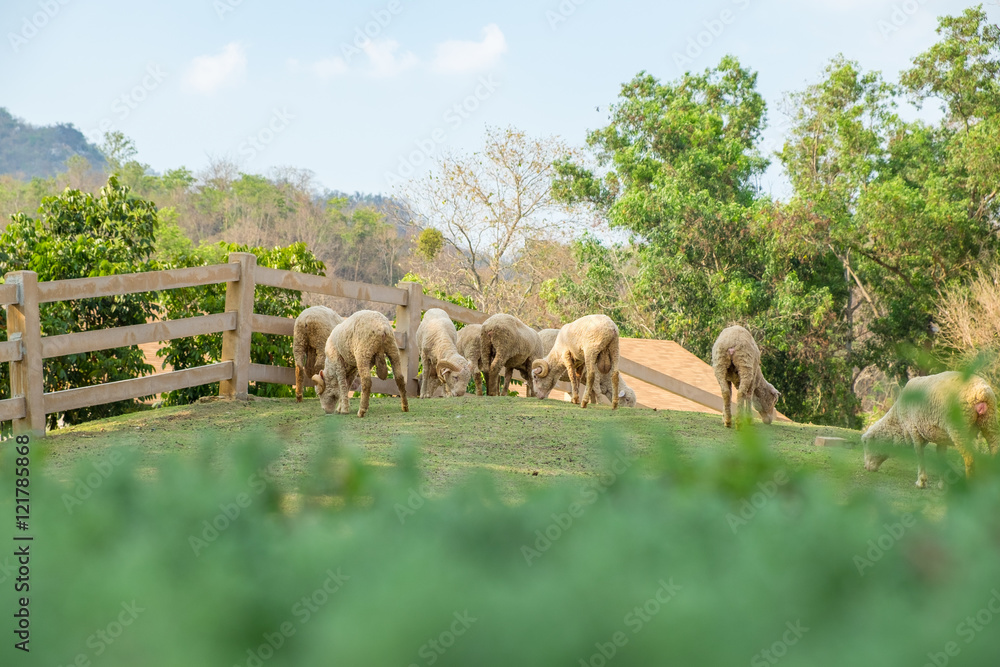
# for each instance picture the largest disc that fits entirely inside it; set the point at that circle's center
(689, 562)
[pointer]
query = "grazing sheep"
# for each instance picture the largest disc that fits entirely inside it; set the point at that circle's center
(355, 345)
(312, 328)
(626, 395)
(736, 360)
(591, 340)
(469, 343)
(944, 409)
(437, 341)
(508, 344)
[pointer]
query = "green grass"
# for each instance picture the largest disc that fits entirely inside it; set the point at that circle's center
(522, 443)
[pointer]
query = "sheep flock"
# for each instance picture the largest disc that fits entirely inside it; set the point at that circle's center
(339, 354)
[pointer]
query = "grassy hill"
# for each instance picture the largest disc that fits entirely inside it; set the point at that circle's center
(523, 443)
(28, 150)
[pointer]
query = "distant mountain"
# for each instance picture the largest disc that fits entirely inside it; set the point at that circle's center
(27, 150)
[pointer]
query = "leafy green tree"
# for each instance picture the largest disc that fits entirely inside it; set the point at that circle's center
(680, 164)
(81, 235)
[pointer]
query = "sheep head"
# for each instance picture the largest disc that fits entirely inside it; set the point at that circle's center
(764, 400)
(328, 390)
(455, 377)
(626, 397)
(543, 378)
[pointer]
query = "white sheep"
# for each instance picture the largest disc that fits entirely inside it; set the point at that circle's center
(626, 395)
(946, 409)
(312, 329)
(591, 341)
(736, 361)
(508, 344)
(443, 365)
(469, 343)
(361, 341)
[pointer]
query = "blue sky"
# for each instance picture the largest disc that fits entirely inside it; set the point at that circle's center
(300, 84)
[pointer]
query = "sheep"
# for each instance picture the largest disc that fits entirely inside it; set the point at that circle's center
(946, 409)
(443, 365)
(591, 340)
(626, 395)
(469, 343)
(508, 344)
(355, 345)
(312, 328)
(736, 361)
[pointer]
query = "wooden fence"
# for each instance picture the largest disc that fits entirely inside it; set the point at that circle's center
(26, 348)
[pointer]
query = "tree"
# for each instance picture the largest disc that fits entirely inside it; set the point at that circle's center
(81, 235)
(491, 207)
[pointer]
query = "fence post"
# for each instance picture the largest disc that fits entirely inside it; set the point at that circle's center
(407, 321)
(236, 343)
(26, 376)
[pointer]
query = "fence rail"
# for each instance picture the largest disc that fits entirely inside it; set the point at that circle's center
(26, 348)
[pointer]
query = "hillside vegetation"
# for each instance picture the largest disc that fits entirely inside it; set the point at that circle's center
(30, 151)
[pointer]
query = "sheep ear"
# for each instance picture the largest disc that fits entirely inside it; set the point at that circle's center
(318, 381)
(621, 393)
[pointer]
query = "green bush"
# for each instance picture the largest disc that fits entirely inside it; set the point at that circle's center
(744, 555)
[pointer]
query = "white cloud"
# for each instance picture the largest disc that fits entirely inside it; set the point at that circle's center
(329, 67)
(207, 74)
(384, 59)
(465, 56)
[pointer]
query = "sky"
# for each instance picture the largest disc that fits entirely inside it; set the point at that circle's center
(364, 93)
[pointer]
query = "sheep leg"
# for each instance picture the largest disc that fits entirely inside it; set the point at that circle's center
(366, 392)
(588, 391)
(918, 445)
(743, 395)
(493, 379)
(990, 433)
(963, 445)
(344, 378)
(614, 389)
(392, 352)
(426, 380)
(299, 379)
(529, 381)
(727, 400)
(477, 377)
(506, 380)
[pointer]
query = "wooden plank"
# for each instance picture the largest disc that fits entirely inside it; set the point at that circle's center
(10, 350)
(285, 326)
(25, 328)
(11, 409)
(271, 324)
(236, 343)
(8, 294)
(348, 289)
(107, 339)
(831, 441)
(284, 375)
(673, 385)
(131, 283)
(70, 399)
(455, 312)
(407, 322)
